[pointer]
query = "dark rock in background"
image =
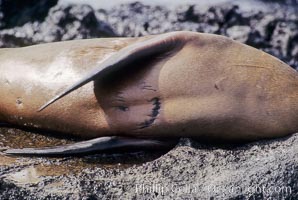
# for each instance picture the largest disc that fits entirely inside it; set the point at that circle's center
(61, 23)
(290, 2)
(190, 169)
(274, 31)
(18, 12)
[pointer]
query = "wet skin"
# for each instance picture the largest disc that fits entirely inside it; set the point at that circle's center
(204, 86)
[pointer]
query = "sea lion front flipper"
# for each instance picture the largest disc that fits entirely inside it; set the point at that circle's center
(153, 46)
(92, 146)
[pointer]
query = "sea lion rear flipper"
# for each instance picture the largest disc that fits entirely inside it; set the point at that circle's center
(94, 145)
(153, 46)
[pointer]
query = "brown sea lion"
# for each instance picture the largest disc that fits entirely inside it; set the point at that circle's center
(129, 91)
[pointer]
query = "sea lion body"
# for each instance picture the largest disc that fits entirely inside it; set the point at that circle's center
(31, 75)
(208, 87)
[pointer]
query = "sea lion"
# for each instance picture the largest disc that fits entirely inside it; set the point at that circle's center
(130, 91)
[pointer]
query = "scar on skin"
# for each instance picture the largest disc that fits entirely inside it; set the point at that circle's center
(147, 87)
(218, 83)
(244, 65)
(118, 98)
(19, 103)
(154, 113)
(123, 108)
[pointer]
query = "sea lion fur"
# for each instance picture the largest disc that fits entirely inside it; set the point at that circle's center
(177, 84)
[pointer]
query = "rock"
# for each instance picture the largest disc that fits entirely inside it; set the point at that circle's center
(265, 25)
(293, 52)
(62, 23)
(239, 33)
(19, 12)
(234, 17)
(188, 13)
(256, 40)
(283, 32)
(293, 46)
(289, 2)
(260, 170)
(76, 22)
(137, 19)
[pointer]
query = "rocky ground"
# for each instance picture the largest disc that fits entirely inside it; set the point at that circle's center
(261, 170)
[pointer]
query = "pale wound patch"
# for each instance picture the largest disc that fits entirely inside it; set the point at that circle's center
(104, 58)
(60, 70)
(119, 44)
(14, 73)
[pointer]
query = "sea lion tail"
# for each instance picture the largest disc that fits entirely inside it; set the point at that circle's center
(92, 146)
